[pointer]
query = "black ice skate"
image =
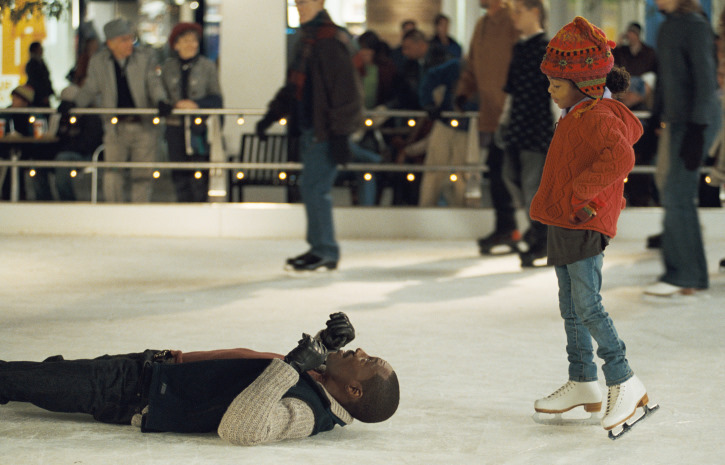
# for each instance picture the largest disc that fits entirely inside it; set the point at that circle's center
(310, 262)
(499, 243)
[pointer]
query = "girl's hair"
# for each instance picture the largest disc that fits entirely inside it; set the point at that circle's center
(618, 80)
(540, 4)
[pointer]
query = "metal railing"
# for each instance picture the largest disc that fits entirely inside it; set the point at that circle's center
(219, 167)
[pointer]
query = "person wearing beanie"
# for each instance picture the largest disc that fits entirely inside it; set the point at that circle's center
(191, 81)
(580, 197)
(686, 102)
(122, 75)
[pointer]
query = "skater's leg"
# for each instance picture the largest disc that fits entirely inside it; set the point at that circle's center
(107, 389)
(586, 284)
(579, 348)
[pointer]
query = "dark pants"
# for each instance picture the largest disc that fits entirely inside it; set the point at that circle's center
(188, 187)
(501, 198)
(111, 388)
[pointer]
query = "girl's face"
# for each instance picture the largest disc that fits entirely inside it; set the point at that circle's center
(526, 20)
(564, 93)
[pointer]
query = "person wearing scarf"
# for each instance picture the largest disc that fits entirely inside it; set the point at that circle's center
(322, 101)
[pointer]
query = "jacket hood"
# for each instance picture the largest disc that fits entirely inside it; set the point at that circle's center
(633, 127)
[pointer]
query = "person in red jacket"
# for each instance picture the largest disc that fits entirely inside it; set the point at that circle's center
(580, 197)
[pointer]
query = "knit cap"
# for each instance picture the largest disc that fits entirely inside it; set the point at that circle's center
(24, 92)
(181, 29)
(580, 52)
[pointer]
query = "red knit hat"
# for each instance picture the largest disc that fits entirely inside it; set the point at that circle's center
(581, 53)
(183, 28)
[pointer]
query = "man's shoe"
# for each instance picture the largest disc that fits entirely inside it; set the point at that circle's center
(663, 289)
(310, 262)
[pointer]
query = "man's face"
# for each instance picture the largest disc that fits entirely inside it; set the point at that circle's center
(632, 37)
(564, 93)
(121, 47)
(442, 28)
(347, 366)
(413, 49)
(308, 9)
(668, 6)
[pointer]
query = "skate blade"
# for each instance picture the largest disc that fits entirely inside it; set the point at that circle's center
(619, 431)
(558, 419)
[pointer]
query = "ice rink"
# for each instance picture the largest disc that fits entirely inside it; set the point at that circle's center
(474, 340)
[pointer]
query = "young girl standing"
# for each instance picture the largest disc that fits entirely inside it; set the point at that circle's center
(580, 197)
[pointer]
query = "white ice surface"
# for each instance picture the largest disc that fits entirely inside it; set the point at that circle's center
(474, 341)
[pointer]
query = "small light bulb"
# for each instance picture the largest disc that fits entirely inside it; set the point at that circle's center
(368, 122)
(73, 173)
(411, 123)
(410, 177)
(282, 176)
(283, 121)
(156, 175)
(157, 120)
(114, 120)
(31, 173)
(240, 175)
(197, 121)
(453, 177)
(73, 120)
(197, 174)
(31, 119)
(367, 176)
(454, 123)
(240, 120)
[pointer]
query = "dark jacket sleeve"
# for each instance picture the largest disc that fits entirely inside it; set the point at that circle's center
(337, 91)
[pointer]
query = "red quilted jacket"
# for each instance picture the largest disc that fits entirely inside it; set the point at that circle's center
(589, 157)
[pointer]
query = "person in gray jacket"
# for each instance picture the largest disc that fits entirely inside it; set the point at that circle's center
(123, 76)
(191, 81)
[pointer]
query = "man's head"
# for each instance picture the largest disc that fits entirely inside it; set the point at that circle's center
(367, 387)
(36, 49)
(119, 38)
(414, 45)
(22, 96)
(633, 33)
(308, 9)
(407, 25)
(492, 5)
(441, 24)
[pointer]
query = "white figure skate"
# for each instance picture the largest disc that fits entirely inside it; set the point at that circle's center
(573, 394)
(623, 407)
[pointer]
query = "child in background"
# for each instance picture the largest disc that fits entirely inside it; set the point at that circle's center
(580, 198)
(527, 123)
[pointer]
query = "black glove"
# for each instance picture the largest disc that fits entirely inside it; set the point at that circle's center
(65, 107)
(165, 108)
(434, 112)
(693, 144)
(338, 333)
(308, 355)
(340, 149)
(459, 102)
(262, 126)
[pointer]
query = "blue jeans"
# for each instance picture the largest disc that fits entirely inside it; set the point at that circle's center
(318, 176)
(584, 317)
